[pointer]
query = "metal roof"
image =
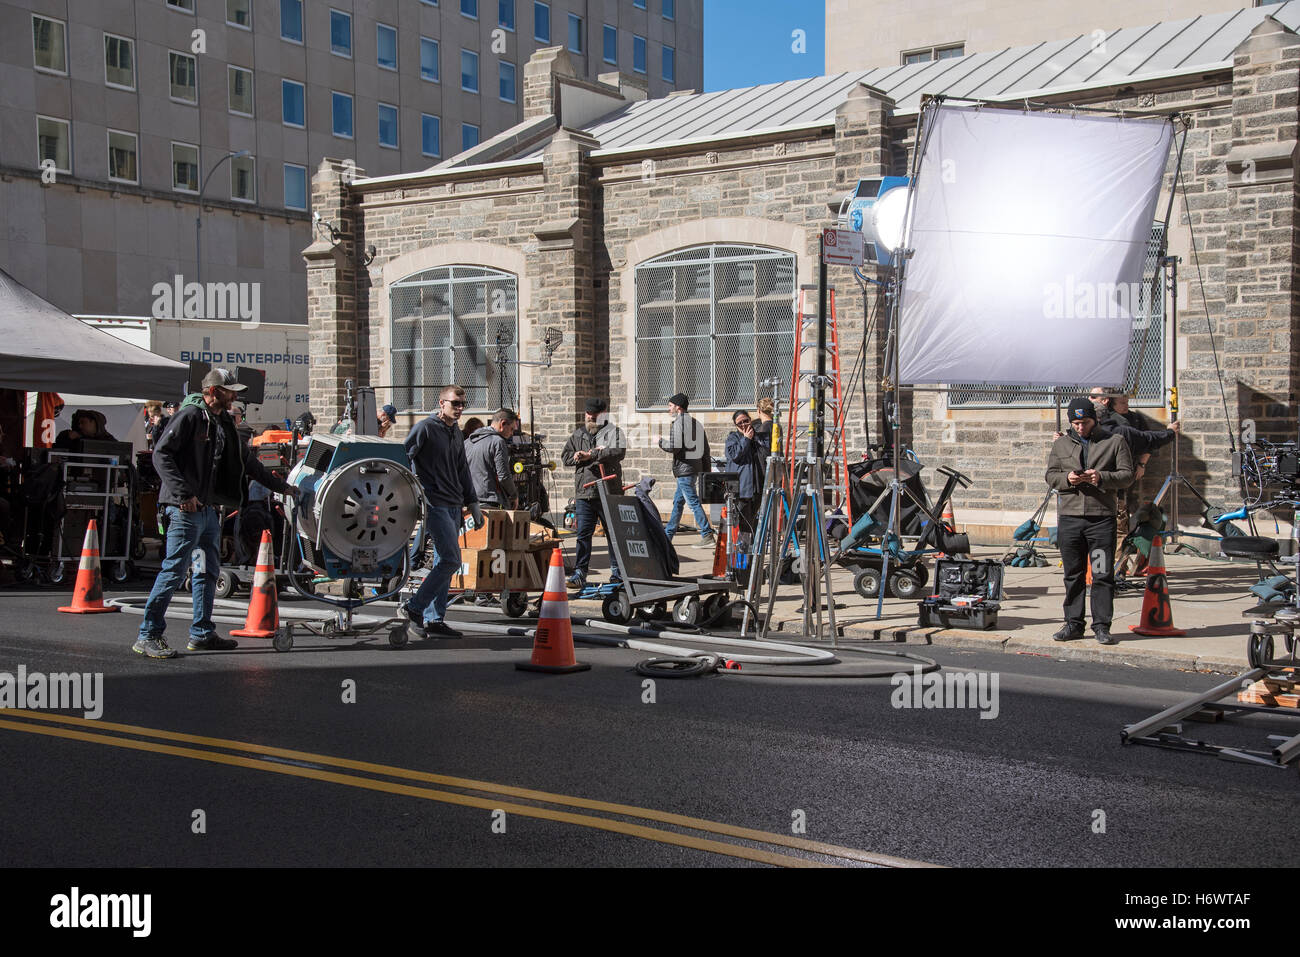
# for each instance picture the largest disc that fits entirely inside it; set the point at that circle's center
(1129, 55)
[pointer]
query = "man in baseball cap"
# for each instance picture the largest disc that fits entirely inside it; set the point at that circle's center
(1087, 466)
(202, 462)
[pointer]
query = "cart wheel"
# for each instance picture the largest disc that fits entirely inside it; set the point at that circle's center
(921, 572)
(687, 610)
(25, 572)
(397, 637)
(904, 585)
(122, 571)
(656, 612)
(57, 573)
(867, 582)
(225, 584)
(283, 640)
(1259, 650)
(137, 549)
(712, 608)
(514, 603)
(616, 608)
(328, 628)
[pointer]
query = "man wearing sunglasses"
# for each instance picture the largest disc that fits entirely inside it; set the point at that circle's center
(436, 448)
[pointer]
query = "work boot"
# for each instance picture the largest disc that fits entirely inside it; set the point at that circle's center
(1068, 633)
(1104, 637)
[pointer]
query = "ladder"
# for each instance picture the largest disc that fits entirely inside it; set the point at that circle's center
(802, 394)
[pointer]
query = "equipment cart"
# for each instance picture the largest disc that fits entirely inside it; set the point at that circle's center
(101, 487)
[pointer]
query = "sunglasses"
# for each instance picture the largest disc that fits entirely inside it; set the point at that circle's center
(455, 403)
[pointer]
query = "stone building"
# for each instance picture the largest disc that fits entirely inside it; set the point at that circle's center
(666, 241)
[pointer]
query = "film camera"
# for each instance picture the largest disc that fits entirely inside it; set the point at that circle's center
(1265, 463)
(529, 466)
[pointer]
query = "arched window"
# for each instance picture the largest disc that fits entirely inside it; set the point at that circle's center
(455, 324)
(713, 321)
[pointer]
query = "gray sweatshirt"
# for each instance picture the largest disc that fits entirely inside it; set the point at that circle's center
(490, 467)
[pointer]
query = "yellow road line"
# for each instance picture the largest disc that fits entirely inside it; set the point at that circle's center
(446, 797)
(627, 810)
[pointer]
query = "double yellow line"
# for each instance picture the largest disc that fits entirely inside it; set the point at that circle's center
(262, 757)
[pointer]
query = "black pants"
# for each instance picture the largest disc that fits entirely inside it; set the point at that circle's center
(1088, 541)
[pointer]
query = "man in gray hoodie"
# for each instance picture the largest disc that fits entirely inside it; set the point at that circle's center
(488, 451)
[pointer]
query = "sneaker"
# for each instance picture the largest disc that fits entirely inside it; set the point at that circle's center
(707, 539)
(440, 629)
(1068, 633)
(211, 643)
(153, 648)
(576, 580)
(1104, 637)
(413, 623)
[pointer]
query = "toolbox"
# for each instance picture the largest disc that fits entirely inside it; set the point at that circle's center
(966, 594)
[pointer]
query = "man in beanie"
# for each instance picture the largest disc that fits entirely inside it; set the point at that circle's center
(597, 444)
(387, 419)
(1087, 466)
(689, 446)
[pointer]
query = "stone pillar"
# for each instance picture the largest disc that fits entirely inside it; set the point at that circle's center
(560, 269)
(1247, 220)
(331, 291)
(862, 151)
(541, 92)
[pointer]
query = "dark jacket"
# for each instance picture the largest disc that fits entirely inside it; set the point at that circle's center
(611, 437)
(763, 432)
(1110, 456)
(66, 439)
(490, 467)
(437, 452)
(185, 457)
(689, 445)
(1134, 428)
(745, 455)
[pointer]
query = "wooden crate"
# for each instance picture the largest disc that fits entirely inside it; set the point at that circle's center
(476, 572)
(518, 526)
(522, 573)
(1269, 691)
(493, 533)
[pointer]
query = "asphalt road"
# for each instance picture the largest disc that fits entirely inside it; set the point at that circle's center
(937, 786)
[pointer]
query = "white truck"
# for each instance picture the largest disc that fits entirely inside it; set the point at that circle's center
(280, 349)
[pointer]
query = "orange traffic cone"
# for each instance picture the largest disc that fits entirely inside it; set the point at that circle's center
(88, 595)
(720, 548)
(553, 644)
(1087, 577)
(263, 618)
(1157, 614)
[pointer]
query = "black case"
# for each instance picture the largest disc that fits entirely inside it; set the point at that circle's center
(959, 576)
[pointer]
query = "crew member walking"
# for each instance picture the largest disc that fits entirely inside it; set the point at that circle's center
(689, 445)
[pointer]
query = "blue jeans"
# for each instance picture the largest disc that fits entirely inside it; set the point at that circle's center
(192, 542)
(586, 511)
(443, 531)
(688, 494)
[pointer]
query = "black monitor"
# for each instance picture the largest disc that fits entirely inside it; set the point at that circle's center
(124, 452)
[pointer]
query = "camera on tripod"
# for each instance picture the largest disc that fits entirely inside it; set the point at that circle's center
(1265, 463)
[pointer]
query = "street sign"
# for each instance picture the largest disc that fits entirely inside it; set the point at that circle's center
(842, 247)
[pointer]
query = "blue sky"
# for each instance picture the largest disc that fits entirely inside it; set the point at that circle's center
(751, 42)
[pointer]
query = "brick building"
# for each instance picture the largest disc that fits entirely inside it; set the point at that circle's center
(666, 239)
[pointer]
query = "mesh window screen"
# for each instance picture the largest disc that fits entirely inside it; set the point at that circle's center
(455, 324)
(713, 321)
(1145, 374)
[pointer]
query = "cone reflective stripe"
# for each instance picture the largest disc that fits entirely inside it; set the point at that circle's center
(88, 595)
(263, 618)
(553, 644)
(1157, 613)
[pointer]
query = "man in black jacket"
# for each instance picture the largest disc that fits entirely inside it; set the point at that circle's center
(597, 444)
(436, 447)
(689, 445)
(1087, 466)
(201, 462)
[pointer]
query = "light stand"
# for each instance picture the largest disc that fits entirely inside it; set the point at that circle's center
(766, 537)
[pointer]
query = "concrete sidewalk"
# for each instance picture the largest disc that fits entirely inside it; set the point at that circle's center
(1207, 597)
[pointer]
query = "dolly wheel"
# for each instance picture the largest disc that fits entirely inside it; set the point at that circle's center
(283, 640)
(397, 636)
(686, 611)
(514, 603)
(616, 608)
(867, 582)
(904, 585)
(1259, 650)
(225, 584)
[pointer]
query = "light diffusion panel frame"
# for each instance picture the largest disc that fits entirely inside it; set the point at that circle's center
(1030, 231)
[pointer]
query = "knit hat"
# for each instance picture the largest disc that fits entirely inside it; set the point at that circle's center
(391, 411)
(1081, 408)
(596, 406)
(680, 399)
